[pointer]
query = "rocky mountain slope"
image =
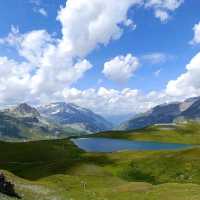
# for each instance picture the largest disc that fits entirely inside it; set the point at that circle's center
(25, 122)
(56, 120)
(193, 111)
(166, 113)
(71, 115)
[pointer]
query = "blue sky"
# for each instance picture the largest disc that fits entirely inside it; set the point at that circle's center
(151, 36)
(168, 39)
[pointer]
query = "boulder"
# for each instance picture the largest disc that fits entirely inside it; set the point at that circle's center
(6, 187)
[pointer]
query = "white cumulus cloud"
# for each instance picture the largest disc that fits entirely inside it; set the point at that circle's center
(163, 8)
(99, 24)
(162, 15)
(14, 79)
(188, 83)
(121, 68)
(116, 102)
(52, 65)
(59, 62)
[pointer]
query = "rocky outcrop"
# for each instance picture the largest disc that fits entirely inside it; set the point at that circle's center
(6, 187)
(26, 110)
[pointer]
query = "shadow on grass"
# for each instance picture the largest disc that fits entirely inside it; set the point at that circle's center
(36, 160)
(135, 174)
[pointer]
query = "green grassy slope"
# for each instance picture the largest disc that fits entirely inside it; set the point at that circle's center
(183, 133)
(34, 160)
(64, 187)
(57, 169)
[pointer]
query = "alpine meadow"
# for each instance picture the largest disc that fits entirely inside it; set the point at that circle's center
(99, 100)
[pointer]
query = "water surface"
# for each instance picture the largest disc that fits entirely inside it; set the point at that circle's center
(113, 145)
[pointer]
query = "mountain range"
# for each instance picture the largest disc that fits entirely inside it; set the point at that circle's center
(74, 116)
(165, 113)
(56, 120)
(60, 119)
(25, 122)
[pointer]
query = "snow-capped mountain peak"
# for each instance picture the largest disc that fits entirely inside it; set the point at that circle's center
(70, 114)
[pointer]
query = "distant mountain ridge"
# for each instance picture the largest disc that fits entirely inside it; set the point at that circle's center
(165, 113)
(56, 120)
(60, 119)
(118, 119)
(69, 114)
(25, 122)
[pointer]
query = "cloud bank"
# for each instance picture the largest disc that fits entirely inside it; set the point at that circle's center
(52, 65)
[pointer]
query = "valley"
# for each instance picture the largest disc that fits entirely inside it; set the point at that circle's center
(58, 169)
(40, 154)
